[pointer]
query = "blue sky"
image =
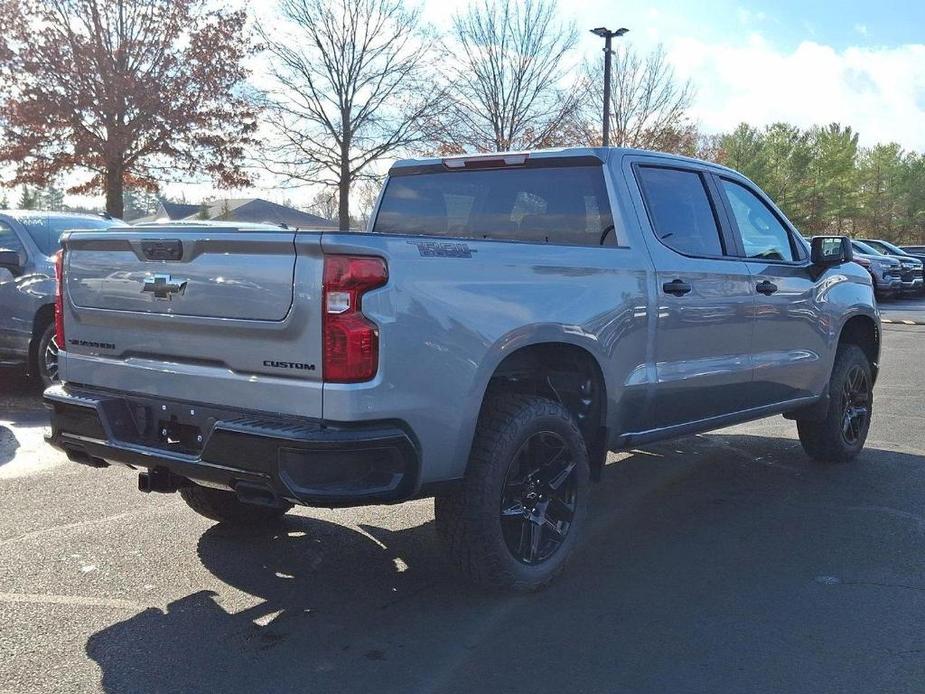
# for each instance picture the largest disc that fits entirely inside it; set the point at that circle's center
(860, 63)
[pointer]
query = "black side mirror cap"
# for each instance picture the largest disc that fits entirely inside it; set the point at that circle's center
(11, 261)
(831, 250)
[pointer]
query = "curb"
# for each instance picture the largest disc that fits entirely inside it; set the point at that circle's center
(902, 322)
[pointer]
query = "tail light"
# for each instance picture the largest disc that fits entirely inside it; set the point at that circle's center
(351, 340)
(59, 299)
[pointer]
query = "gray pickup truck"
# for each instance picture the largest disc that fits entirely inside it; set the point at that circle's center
(505, 321)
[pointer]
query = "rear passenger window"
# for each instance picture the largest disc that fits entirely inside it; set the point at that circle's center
(680, 210)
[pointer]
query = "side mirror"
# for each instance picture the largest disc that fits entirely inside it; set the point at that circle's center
(10, 261)
(831, 250)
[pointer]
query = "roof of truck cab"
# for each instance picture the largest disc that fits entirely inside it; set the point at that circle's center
(602, 153)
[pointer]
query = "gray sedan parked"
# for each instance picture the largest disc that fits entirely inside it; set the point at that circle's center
(28, 243)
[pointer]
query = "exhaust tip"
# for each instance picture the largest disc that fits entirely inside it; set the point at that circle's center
(256, 494)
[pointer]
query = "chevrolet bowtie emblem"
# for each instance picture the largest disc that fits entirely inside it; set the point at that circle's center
(164, 286)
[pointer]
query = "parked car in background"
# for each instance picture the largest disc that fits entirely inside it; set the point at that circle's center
(29, 240)
(914, 250)
(913, 264)
(885, 271)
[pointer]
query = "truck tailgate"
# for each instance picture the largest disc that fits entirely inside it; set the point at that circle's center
(244, 275)
(216, 309)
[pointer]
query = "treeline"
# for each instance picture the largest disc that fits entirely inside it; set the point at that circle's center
(100, 89)
(826, 183)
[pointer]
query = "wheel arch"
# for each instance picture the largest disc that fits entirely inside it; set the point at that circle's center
(863, 331)
(563, 370)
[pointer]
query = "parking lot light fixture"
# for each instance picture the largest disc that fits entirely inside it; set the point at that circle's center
(607, 35)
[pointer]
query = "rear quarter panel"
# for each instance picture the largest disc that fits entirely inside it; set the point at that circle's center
(446, 323)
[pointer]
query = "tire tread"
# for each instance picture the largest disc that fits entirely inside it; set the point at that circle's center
(464, 520)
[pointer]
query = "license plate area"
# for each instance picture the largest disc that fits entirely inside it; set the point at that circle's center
(174, 435)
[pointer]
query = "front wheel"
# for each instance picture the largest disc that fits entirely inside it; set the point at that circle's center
(524, 499)
(841, 435)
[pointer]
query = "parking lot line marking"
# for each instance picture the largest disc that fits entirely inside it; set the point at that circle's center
(902, 321)
(78, 524)
(70, 600)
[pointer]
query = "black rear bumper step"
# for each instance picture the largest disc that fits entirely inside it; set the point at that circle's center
(301, 460)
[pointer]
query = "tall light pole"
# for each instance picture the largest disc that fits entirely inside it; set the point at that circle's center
(607, 35)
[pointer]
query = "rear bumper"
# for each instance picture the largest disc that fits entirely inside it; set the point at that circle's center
(300, 460)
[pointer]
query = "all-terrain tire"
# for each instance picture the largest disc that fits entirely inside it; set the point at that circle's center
(225, 507)
(826, 440)
(469, 521)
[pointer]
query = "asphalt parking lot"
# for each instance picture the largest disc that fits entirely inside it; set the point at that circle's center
(907, 309)
(720, 563)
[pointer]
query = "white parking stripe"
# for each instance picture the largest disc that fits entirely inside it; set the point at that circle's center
(71, 600)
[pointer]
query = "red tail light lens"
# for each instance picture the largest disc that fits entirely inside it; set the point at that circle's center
(59, 299)
(351, 340)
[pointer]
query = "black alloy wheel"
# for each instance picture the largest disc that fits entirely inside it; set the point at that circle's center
(855, 399)
(47, 357)
(539, 498)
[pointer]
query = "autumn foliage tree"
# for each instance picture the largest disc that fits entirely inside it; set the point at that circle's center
(127, 91)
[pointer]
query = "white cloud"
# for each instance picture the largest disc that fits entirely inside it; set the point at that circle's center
(747, 17)
(861, 29)
(878, 91)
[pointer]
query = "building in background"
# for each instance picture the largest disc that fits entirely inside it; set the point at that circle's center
(252, 210)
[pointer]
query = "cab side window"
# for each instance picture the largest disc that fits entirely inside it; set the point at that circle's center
(680, 210)
(763, 235)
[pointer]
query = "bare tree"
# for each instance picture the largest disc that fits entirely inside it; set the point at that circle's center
(367, 194)
(508, 74)
(352, 86)
(649, 107)
(325, 203)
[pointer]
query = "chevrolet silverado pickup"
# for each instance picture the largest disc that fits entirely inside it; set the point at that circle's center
(503, 323)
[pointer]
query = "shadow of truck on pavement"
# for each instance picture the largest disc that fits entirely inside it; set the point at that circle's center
(716, 563)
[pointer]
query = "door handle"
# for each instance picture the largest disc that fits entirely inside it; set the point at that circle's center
(766, 288)
(676, 287)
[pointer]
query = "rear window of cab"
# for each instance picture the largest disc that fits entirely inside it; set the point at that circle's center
(558, 205)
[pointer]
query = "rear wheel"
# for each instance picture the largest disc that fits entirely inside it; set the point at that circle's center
(524, 499)
(841, 435)
(225, 507)
(47, 357)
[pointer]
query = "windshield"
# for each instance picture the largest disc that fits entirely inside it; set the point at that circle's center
(46, 231)
(889, 247)
(563, 205)
(865, 248)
